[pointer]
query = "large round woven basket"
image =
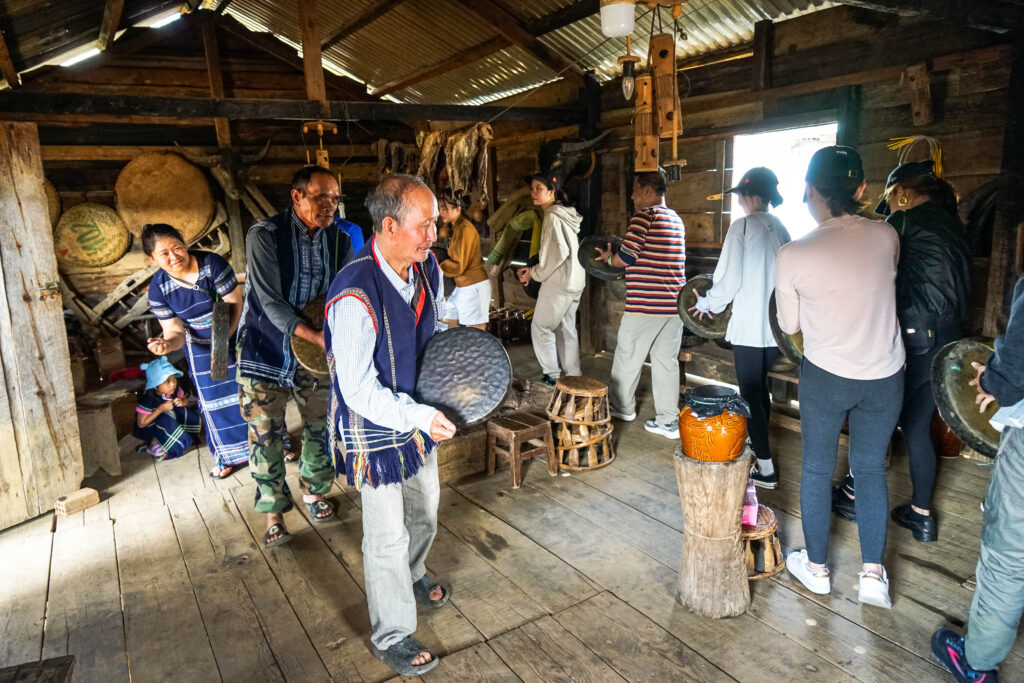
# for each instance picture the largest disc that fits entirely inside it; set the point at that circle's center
(161, 187)
(90, 235)
(52, 203)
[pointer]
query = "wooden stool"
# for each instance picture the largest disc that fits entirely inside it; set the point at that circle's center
(761, 546)
(582, 420)
(712, 574)
(516, 430)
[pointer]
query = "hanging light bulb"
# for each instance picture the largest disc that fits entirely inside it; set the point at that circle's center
(617, 18)
(628, 63)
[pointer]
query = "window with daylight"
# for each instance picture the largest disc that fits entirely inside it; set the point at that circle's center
(787, 153)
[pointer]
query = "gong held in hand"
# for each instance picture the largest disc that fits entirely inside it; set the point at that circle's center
(712, 327)
(308, 354)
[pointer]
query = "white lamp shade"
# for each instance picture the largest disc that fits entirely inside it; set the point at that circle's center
(616, 18)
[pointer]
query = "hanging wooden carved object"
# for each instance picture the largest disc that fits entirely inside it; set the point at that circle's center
(666, 94)
(646, 157)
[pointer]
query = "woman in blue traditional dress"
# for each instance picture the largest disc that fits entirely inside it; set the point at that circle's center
(181, 295)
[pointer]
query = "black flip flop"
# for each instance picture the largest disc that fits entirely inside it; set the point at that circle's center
(422, 589)
(316, 508)
(400, 655)
(273, 531)
(229, 468)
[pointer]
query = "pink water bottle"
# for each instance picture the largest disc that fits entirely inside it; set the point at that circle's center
(750, 505)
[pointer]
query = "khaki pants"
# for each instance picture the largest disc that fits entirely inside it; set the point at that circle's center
(640, 335)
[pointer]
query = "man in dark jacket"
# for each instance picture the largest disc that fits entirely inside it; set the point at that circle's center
(932, 298)
(999, 597)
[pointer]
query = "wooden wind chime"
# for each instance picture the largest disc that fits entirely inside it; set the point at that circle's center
(657, 113)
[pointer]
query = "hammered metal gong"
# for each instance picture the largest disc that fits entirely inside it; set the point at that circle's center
(709, 329)
(465, 373)
(309, 355)
(791, 345)
(594, 266)
(954, 397)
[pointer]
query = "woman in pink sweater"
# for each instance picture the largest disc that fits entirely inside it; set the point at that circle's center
(837, 285)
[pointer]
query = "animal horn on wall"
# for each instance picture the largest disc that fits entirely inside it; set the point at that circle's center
(207, 160)
(583, 145)
(258, 156)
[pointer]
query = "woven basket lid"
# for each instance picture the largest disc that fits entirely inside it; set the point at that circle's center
(161, 187)
(52, 202)
(90, 235)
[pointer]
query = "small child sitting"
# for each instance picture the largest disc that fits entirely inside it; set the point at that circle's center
(164, 419)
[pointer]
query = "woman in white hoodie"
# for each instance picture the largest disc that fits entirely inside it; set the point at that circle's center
(562, 278)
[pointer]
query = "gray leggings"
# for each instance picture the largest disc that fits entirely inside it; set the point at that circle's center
(873, 407)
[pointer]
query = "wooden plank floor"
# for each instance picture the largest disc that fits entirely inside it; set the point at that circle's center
(568, 578)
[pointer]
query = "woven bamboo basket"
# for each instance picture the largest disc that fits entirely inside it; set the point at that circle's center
(161, 187)
(90, 235)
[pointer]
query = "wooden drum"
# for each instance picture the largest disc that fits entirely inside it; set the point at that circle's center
(579, 409)
(761, 550)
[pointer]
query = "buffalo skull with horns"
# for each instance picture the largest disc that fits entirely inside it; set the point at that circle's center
(230, 168)
(576, 157)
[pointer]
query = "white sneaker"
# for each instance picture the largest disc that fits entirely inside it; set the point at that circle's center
(874, 589)
(669, 431)
(816, 581)
(625, 417)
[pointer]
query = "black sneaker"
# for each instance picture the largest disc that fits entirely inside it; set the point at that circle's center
(843, 505)
(922, 526)
(548, 380)
(764, 481)
(949, 651)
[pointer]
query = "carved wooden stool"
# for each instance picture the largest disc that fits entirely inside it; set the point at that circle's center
(761, 546)
(582, 420)
(506, 436)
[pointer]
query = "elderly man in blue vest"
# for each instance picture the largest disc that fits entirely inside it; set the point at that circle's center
(382, 309)
(291, 259)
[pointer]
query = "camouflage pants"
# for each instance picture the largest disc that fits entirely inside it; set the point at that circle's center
(263, 407)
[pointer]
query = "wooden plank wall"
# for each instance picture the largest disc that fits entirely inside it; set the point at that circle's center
(969, 77)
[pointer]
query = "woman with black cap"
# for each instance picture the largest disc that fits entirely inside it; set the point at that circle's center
(745, 277)
(562, 279)
(837, 285)
(933, 286)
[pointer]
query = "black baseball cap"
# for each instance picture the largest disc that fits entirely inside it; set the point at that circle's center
(903, 173)
(760, 181)
(835, 167)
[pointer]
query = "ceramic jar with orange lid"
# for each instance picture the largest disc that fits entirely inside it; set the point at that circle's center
(717, 437)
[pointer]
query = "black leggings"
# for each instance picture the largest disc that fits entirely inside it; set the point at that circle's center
(752, 365)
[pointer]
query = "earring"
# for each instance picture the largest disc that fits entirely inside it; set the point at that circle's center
(902, 201)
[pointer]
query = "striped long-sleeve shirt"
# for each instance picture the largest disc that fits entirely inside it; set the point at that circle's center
(655, 256)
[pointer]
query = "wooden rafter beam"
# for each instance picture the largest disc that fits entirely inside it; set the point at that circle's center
(7, 65)
(508, 27)
(467, 56)
(312, 62)
(283, 53)
(991, 15)
(212, 50)
(375, 10)
(552, 22)
(111, 21)
(40, 102)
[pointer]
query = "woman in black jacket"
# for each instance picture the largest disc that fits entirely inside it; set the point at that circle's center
(933, 283)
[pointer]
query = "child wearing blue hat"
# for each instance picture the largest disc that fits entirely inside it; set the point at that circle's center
(164, 419)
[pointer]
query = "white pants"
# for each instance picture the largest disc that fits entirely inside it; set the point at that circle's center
(470, 305)
(399, 525)
(554, 331)
(639, 335)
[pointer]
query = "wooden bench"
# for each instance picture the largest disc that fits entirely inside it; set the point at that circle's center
(105, 416)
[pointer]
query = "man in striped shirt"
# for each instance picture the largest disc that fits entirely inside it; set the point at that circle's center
(654, 256)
